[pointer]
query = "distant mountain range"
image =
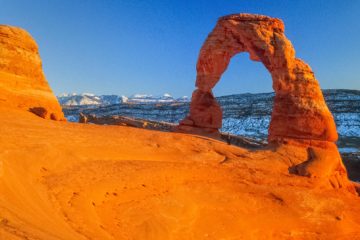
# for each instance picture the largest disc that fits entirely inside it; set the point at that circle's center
(243, 114)
(83, 99)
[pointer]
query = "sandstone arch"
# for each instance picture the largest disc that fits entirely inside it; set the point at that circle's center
(299, 110)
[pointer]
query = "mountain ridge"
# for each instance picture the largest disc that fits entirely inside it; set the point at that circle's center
(74, 99)
(243, 114)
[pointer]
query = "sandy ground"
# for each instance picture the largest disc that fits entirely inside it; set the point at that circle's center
(74, 181)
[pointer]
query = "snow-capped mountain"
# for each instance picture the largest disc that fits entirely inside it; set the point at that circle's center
(79, 99)
(144, 98)
(85, 99)
(243, 114)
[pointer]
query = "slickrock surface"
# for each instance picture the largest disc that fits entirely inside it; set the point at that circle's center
(164, 126)
(299, 108)
(76, 181)
(22, 81)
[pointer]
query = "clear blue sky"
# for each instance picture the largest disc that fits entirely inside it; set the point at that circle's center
(126, 47)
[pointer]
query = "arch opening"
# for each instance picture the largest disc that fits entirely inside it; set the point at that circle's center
(243, 75)
(245, 95)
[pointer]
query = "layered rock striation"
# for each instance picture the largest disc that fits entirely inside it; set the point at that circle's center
(300, 115)
(22, 81)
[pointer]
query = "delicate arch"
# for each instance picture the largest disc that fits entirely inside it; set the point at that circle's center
(299, 110)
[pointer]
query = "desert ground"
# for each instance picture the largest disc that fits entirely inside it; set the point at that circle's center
(68, 181)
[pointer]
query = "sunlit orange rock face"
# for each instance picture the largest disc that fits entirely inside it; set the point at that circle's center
(300, 115)
(299, 108)
(22, 81)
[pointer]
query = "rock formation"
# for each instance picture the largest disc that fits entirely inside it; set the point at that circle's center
(299, 108)
(85, 181)
(300, 114)
(126, 121)
(22, 81)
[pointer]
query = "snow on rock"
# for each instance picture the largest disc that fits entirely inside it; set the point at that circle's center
(124, 99)
(348, 124)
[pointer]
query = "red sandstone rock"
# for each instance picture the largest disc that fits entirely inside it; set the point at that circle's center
(208, 114)
(326, 163)
(300, 115)
(299, 108)
(22, 81)
(207, 110)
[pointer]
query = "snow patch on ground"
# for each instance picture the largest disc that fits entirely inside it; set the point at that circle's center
(252, 126)
(348, 124)
(348, 150)
(72, 118)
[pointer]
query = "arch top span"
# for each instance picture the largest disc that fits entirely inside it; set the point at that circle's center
(256, 34)
(299, 110)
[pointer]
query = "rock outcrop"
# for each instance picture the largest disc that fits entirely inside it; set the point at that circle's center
(300, 114)
(299, 108)
(126, 121)
(22, 81)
